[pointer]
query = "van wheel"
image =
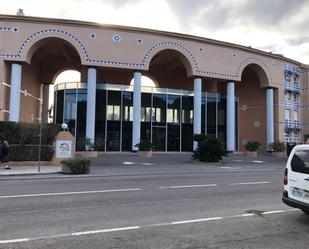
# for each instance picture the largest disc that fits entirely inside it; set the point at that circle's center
(305, 211)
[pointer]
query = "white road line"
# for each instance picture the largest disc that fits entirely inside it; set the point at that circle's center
(189, 186)
(229, 167)
(56, 236)
(274, 212)
(196, 220)
(241, 215)
(248, 183)
(105, 230)
(70, 193)
(10, 241)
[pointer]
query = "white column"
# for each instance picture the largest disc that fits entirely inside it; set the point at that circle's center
(197, 112)
(136, 110)
(45, 104)
(230, 117)
(91, 100)
(270, 115)
(15, 92)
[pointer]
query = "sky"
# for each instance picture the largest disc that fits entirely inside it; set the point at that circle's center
(277, 26)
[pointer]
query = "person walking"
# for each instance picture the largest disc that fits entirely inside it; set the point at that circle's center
(5, 154)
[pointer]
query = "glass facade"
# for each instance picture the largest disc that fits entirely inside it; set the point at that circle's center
(166, 116)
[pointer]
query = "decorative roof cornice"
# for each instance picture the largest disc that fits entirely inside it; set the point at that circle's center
(14, 18)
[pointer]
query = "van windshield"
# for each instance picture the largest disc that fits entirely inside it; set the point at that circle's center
(300, 161)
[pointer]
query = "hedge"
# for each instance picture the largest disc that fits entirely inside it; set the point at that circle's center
(25, 133)
(30, 152)
(23, 139)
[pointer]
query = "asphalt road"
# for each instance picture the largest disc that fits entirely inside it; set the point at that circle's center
(196, 209)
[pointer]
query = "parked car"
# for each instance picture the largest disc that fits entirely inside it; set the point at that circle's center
(296, 179)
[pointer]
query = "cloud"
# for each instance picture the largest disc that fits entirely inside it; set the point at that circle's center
(280, 26)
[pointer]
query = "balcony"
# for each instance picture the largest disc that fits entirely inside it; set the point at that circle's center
(287, 139)
(296, 106)
(288, 125)
(288, 87)
(296, 89)
(288, 105)
(297, 125)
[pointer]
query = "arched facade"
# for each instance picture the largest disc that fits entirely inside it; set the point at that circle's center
(208, 83)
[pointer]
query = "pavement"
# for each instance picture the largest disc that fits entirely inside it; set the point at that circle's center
(120, 164)
(167, 201)
(30, 170)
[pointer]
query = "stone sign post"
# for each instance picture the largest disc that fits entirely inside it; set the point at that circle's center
(64, 147)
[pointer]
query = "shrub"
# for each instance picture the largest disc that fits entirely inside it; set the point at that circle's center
(252, 145)
(88, 144)
(23, 139)
(99, 144)
(144, 145)
(77, 166)
(24, 133)
(277, 147)
(211, 150)
(199, 138)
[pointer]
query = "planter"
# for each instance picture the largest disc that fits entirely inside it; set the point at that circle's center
(66, 170)
(144, 153)
(75, 166)
(88, 154)
(251, 153)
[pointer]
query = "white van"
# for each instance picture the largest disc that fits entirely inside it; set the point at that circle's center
(296, 179)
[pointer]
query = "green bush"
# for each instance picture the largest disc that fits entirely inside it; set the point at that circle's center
(88, 144)
(24, 133)
(144, 145)
(77, 166)
(252, 145)
(23, 139)
(211, 150)
(199, 138)
(99, 144)
(277, 147)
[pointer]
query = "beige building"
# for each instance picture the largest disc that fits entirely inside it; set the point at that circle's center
(224, 90)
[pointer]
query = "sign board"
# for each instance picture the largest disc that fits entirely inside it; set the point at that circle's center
(63, 149)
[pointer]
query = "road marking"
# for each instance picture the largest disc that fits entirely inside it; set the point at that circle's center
(275, 212)
(189, 186)
(241, 215)
(128, 163)
(258, 161)
(70, 193)
(229, 167)
(196, 220)
(137, 163)
(248, 183)
(10, 241)
(106, 230)
(81, 233)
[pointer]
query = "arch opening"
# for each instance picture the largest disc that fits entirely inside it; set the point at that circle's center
(258, 71)
(252, 105)
(171, 69)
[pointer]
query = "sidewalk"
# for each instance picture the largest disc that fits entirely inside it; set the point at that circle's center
(29, 170)
(165, 163)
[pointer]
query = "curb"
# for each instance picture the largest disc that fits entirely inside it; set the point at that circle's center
(64, 176)
(30, 174)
